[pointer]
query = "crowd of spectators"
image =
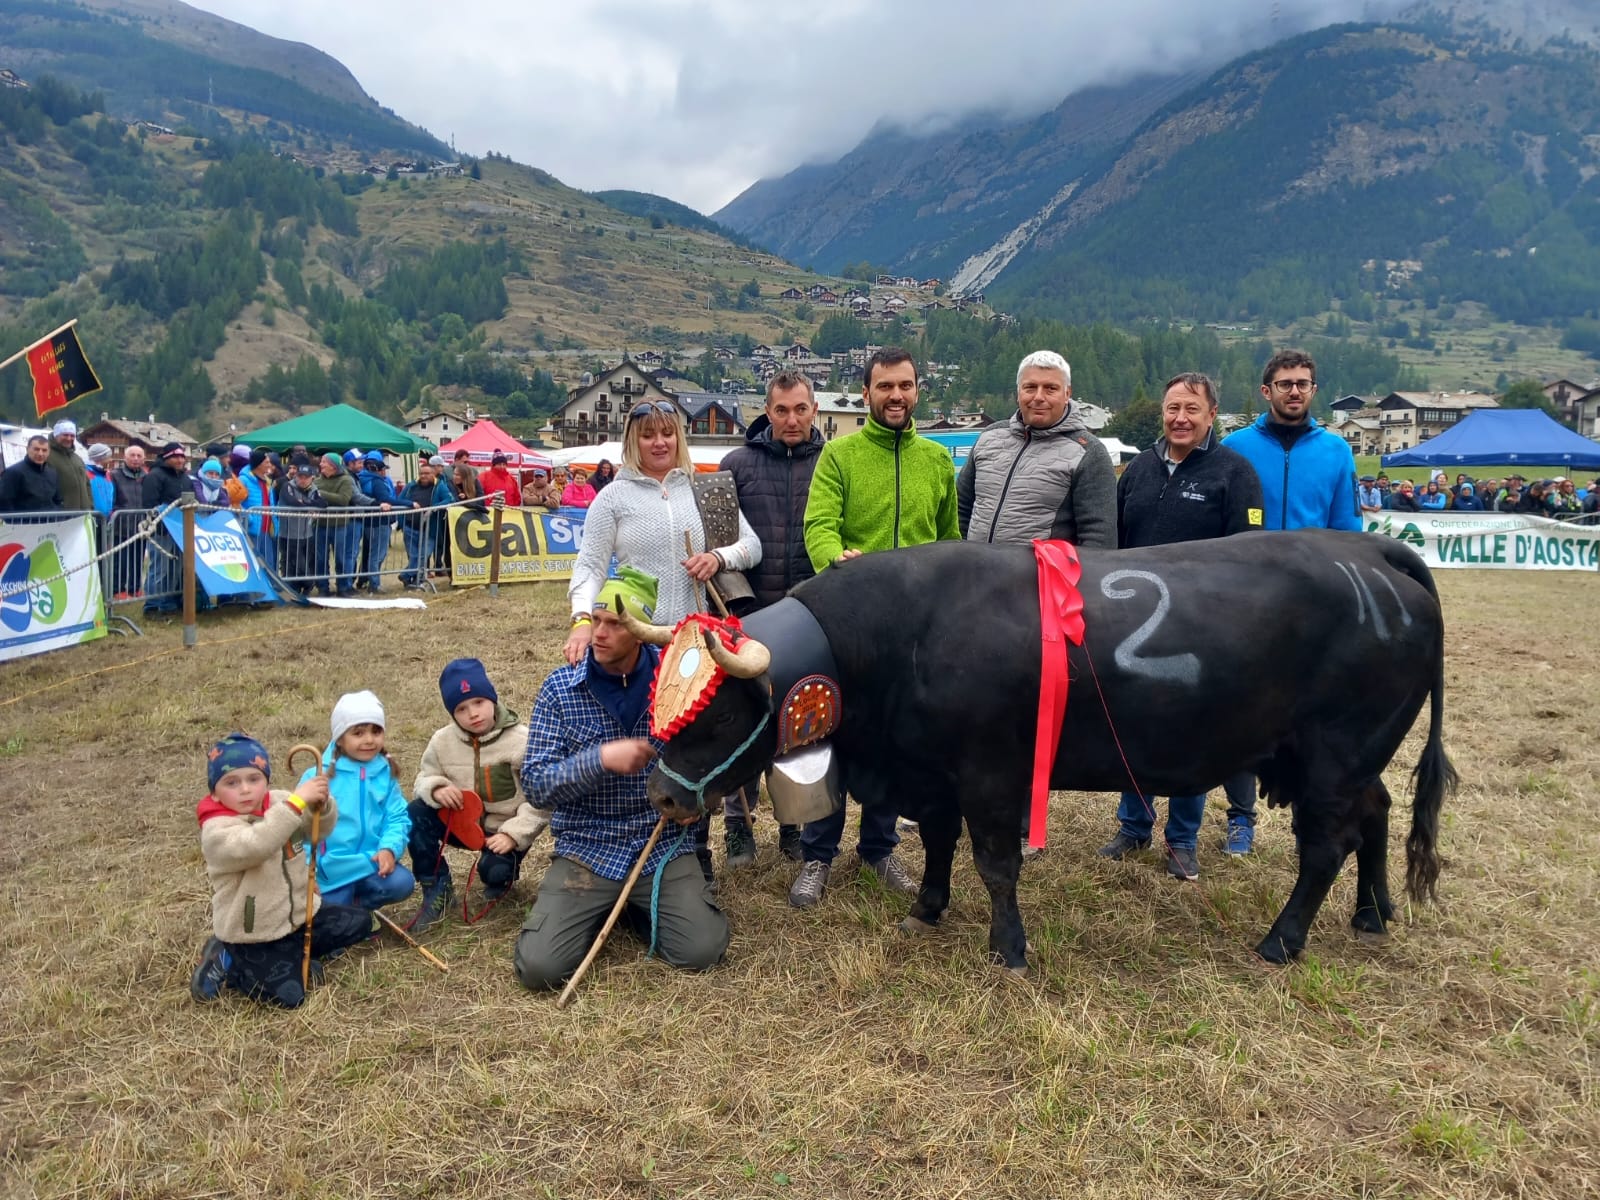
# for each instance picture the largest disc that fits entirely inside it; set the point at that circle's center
(1559, 498)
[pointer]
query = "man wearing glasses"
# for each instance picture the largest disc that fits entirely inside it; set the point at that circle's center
(1308, 481)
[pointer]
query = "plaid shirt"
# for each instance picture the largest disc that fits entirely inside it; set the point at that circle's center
(600, 819)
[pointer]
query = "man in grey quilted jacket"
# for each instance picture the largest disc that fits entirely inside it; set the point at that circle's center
(1042, 474)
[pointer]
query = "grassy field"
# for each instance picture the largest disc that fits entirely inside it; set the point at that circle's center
(1150, 1055)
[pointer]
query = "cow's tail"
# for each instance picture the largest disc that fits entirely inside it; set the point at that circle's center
(1435, 775)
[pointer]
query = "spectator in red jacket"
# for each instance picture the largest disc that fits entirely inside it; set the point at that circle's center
(498, 479)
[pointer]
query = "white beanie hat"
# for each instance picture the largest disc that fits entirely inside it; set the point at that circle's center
(356, 708)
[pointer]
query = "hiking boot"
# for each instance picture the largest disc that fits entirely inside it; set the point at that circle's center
(437, 895)
(894, 875)
(1241, 839)
(211, 976)
(1182, 863)
(1122, 845)
(789, 842)
(808, 885)
(902, 825)
(741, 845)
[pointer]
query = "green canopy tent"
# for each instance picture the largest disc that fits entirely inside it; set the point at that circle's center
(337, 428)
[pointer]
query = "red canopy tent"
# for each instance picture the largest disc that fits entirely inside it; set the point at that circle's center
(485, 439)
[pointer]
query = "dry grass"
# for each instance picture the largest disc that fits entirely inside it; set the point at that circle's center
(1151, 1055)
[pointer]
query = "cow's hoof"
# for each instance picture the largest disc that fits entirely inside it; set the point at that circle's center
(1369, 926)
(916, 926)
(1016, 974)
(1275, 952)
(1372, 938)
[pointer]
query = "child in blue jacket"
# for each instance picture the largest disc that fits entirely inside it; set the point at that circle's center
(359, 861)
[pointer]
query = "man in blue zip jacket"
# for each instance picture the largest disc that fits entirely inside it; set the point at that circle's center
(1308, 481)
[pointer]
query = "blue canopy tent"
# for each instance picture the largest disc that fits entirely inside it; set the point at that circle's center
(1494, 437)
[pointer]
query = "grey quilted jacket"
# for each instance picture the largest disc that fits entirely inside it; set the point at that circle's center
(1022, 483)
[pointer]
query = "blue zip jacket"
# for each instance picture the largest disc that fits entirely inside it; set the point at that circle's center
(1311, 485)
(103, 491)
(377, 486)
(372, 817)
(256, 495)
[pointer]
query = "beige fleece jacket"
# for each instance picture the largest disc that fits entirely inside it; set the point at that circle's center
(490, 765)
(257, 868)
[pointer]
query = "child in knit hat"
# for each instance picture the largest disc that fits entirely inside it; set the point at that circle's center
(254, 842)
(480, 751)
(359, 862)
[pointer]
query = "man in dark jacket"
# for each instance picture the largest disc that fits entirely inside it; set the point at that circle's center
(1185, 488)
(73, 476)
(772, 472)
(169, 481)
(31, 486)
(127, 482)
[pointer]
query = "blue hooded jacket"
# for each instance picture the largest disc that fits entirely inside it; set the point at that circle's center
(372, 817)
(1311, 485)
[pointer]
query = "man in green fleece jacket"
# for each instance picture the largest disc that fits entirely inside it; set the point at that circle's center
(878, 489)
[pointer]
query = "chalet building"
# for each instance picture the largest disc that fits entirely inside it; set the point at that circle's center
(713, 419)
(798, 351)
(723, 354)
(650, 360)
(119, 433)
(441, 425)
(1359, 422)
(894, 304)
(885, 280)
(1575, 404)
(761, 352)
(597, 408)
(928, 285)
(1407, 418)
(860, 304)
(791, 293)
(827, 298)
(852, 293)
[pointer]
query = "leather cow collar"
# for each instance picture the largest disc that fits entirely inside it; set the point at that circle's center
(804, 678)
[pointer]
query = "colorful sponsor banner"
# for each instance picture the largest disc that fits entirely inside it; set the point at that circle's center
(1502, 541)
(38, 610)
(224, 564)
(533, 545)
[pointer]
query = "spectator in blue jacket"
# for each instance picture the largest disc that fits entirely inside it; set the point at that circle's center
(375, 531)
(101, 490)
(1467, 499)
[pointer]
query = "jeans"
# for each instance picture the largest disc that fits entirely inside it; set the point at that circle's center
(427, 852)
(374, 550)
(419, 548)
(127, 572)
(163, 585)
(819, 840)
(347, 552)
(300, 568)
(1183, 818)
(1241, 789)
(270, 971)
(374, 891)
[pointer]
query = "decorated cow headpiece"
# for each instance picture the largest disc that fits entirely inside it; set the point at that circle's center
(700, 652)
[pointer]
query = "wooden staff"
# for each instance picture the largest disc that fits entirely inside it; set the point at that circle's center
(411, 941)
(311, 863)
(616, 911)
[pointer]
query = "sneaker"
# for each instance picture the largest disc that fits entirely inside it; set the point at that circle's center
(209, 978)
(741, 845)
(894, 875)
(807, 889)
(789, 842)
(901, 825)
(437, 895)
(1182, 863)
(1122, 845)
(1241, 837)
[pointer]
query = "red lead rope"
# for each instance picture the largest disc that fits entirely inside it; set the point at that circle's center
(1060, 622)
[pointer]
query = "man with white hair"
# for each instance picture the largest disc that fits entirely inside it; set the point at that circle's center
(1043, 474)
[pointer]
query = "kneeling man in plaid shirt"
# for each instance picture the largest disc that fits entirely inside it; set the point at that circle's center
(589, 756)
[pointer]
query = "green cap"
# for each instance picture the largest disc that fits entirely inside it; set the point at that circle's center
(632, 587)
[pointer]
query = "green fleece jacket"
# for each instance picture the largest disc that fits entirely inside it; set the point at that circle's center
(878, 489)
(490, 765)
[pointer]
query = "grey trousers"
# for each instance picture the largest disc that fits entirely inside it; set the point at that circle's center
(574, 902)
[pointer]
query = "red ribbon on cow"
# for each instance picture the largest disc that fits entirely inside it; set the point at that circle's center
(1060, 622)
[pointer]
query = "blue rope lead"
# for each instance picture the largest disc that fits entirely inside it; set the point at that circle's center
(655, 889)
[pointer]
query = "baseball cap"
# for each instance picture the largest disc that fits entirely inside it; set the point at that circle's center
(373, 456)
(1369, 479)
(352, 454)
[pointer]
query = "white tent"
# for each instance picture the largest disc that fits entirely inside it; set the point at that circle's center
(14, 443)
(1119, 450)
(706, 458)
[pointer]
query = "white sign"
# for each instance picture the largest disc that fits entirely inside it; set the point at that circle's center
(1502, 541)
(39, 609)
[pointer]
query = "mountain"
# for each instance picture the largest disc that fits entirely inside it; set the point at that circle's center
(659, 210)
(1450, 156)
(172, 64)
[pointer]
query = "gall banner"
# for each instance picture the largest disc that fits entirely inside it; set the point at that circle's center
(41, 606)
(533, 545)
(1498, 541)
(224, 564)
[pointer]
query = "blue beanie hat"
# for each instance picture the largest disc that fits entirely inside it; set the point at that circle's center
(465, 679)
(235, 751)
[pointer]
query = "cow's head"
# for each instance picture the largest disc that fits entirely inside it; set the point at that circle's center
(727, 736)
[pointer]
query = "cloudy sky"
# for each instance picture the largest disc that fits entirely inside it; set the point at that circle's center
(697, 99)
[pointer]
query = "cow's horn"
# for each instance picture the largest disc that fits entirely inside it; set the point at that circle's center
(656, 635)
(747, 662)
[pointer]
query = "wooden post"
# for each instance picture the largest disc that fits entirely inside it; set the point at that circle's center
(191, 632)
(494, 547)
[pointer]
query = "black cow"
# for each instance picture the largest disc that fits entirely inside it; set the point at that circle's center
(1304, 657)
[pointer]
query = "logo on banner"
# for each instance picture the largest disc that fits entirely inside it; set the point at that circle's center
(36, 602)
(224, 553)
(1410, 534)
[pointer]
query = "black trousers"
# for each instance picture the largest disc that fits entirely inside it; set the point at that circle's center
(270, 971)
(428, 836)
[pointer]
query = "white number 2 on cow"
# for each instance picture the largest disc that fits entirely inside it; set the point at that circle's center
(1169, 668)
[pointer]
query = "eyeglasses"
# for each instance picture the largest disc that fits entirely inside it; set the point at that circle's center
(664, 408)
(1284, 386)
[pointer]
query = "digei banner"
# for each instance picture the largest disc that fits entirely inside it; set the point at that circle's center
(1502, 541)
(39, 611)
(533, 545)
(224, 564)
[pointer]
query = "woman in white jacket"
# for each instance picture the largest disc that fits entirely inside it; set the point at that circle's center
(641, 519)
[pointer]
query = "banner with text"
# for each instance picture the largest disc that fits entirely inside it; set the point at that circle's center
(39, 608)
(1504, 541)
(224, 563)
(533, 545)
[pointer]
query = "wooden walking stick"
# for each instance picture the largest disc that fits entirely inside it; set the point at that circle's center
(616, 911)
(722, 608)
(311, 863)
(411, 941)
